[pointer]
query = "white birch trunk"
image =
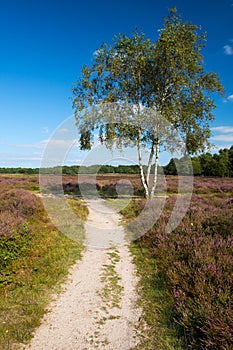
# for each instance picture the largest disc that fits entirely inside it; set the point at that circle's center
(140, 165)
(156, 169)
(150, 164)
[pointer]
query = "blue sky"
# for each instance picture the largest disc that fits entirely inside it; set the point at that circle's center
(45, 43)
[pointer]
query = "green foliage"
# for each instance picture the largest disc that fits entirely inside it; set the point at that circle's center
(197, 170)
(165, 78)
(206, 164)
(170, 168)
(76, 169)
(19, 170)
(167, 74)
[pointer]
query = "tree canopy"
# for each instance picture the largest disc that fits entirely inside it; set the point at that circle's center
(163, 80)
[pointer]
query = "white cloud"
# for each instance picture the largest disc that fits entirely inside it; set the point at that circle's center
(38, 145)
(223, 129)
(228, 50)
(27, 160)
(61, 143)
(223, 137)
(31, 155)
(61, 130)
(56, 143)
(230, 98)
(222, 134)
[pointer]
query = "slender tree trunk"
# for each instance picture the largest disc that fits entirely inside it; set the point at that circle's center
(156, 169)
(152, 151)
(140, 165)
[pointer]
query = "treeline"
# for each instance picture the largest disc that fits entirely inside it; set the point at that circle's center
(207, 164)
(75, 169)
(19, 170)
(218, 164)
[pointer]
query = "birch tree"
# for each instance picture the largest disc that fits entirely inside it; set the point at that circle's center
(165, 84)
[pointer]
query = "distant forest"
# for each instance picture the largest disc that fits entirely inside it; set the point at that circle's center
(218, 164)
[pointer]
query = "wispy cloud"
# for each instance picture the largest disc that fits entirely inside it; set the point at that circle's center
(228, 98)
(29, 159)
(61, 130)
(223, 129)
(222, 134)
(223, 137)
(228, 50)
(38, 145)
(55, 143)
(45, 130)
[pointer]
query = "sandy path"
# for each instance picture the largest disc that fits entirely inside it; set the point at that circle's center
(96, 309)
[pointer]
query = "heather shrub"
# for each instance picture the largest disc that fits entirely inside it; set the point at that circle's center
(199, 273)
(19, 202)
(71, 188)
(17, 208)
(25, 182)
(195, 263)
(220, 222)
(9, 223)
(200, 276)
(212, 185)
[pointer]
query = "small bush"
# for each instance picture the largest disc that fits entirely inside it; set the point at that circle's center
(19, 202)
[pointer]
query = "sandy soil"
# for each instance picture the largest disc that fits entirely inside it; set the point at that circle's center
(83, 316)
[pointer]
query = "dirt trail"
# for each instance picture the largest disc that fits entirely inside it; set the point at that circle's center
(96, 309)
